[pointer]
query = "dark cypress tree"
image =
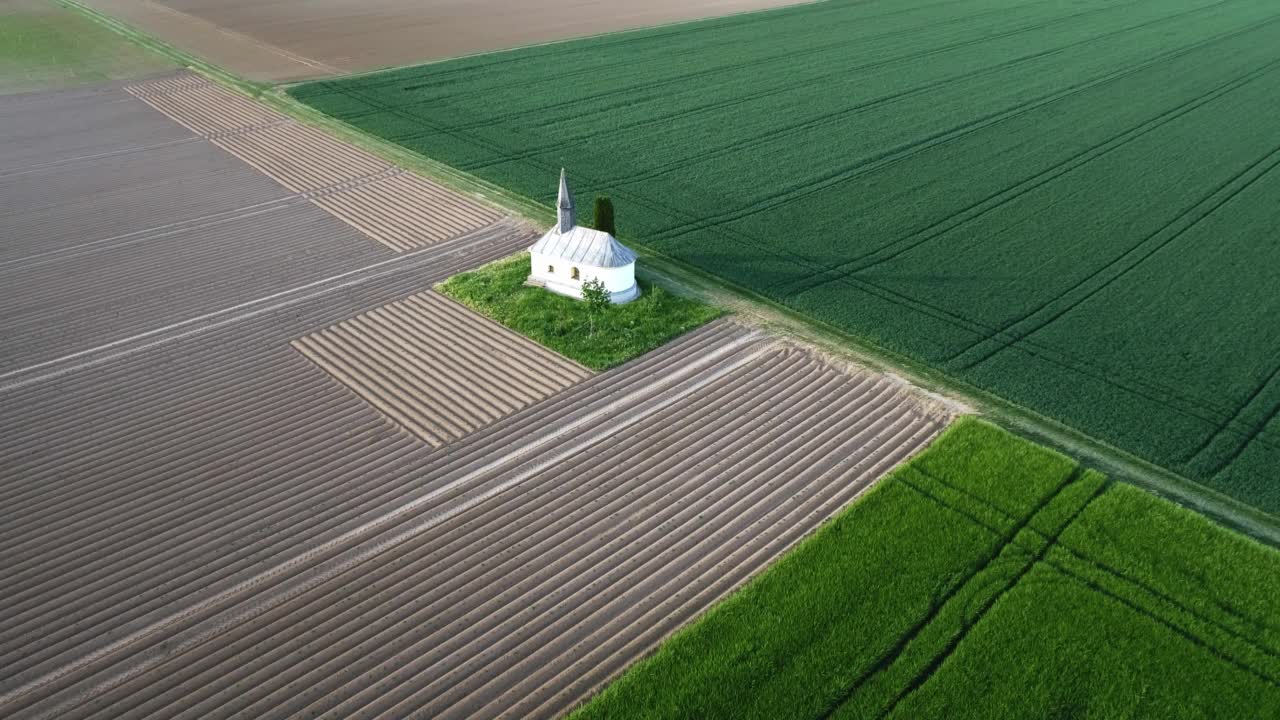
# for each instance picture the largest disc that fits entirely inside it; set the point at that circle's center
(604, 215)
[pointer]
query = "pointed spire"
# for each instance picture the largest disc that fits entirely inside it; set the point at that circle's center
(564, 206)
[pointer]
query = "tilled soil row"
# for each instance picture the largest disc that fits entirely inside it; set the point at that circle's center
(438, 369)
(54, 626)
(401, 210)
(162, 472)
(555, 547)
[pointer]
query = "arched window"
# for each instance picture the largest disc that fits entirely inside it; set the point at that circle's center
(551, 269)
(575, 273)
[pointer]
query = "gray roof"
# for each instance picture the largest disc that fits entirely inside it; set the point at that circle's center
(586, 246)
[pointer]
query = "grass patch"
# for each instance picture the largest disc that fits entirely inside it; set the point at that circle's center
(563, 324)
(1058, 203)
(988, 577)
(44, 46)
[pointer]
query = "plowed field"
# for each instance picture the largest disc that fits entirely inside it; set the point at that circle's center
(988, 578)
(1073, 205)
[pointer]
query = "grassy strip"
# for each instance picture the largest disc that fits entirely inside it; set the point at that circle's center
(565, 325)
(45, 47)
(973, 583)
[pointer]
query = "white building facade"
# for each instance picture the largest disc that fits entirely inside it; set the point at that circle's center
(569, 255)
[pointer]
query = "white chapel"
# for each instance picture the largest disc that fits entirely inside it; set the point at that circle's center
(569, 255)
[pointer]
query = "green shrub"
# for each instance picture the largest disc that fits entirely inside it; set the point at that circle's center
(604, 215)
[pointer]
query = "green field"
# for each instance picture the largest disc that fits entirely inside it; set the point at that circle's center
(619, 333)
(45, 46)
(1070, 204)
(988, 578)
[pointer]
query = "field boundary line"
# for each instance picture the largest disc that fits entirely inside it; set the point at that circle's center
(704, 371)
(240, 311)
(891, 656)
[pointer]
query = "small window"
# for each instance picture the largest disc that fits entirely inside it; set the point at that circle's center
(551, 269)
(575, 273)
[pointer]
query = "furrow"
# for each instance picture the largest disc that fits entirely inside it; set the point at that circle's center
(647, 545)
(425, 379)
(448, 545)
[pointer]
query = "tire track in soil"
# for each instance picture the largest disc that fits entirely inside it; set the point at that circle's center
(728, 341)
(47, 370)
(1005, 539)
(437, 708)
(399, 209)
(654, 532)
(667, 613)
(45, 637)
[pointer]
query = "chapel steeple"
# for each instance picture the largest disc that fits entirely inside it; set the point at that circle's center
(564, 207)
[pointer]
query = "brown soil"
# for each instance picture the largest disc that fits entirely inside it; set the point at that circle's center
(293, 39)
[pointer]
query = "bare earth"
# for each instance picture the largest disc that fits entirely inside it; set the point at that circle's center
(217, 336)
(293, 39)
